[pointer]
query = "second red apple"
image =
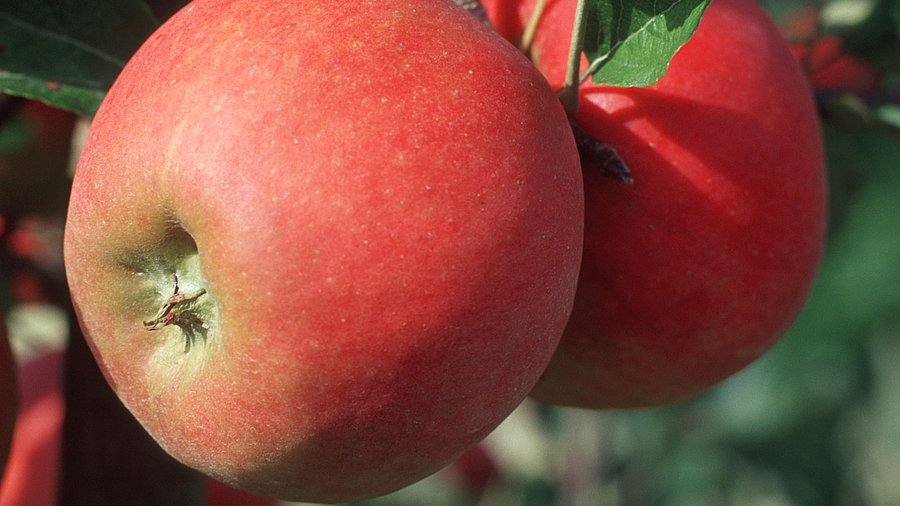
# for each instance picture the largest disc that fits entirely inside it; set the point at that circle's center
(697, 269)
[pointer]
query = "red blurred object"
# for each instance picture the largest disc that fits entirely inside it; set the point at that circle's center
(32, 471)
(24, 243)
(829, 67)
(476, 470)
(27, 287)
(8, 395)
(33, 468)
(220, 494)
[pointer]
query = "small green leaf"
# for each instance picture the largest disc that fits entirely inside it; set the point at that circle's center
(630, 43)
(67, 52)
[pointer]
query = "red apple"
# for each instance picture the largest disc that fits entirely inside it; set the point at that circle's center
(374, 213)
(8, 396)
(695, 270)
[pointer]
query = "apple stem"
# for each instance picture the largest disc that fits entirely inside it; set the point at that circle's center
(569, 93)
(531, 29)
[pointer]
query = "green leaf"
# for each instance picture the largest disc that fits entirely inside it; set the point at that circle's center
(78, 99)
(67, 52)
(630, 43)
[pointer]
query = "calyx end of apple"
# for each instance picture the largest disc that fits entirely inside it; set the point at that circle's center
(173, 294)
(181, 309)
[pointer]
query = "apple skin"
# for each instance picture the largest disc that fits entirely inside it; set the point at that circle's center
(699, 267)
(9, 397)
(385, 208)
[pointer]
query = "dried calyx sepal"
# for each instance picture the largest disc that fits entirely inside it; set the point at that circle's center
(178, 310)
